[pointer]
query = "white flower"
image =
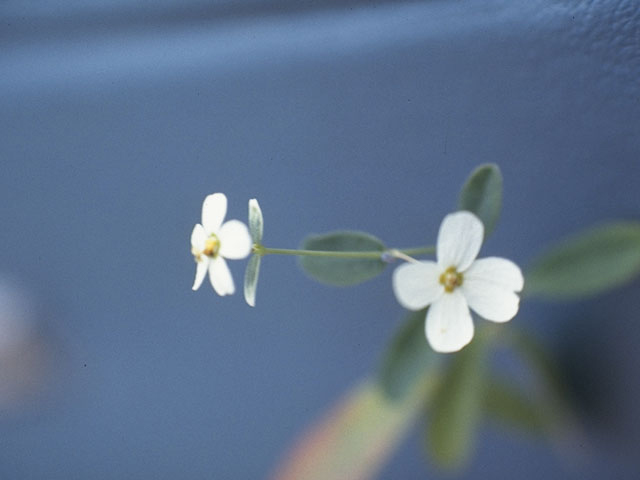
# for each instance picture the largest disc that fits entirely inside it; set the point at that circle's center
(214, 241)
(458, 281)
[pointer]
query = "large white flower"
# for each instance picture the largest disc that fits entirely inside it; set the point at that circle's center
(458, 281)
(213, 241)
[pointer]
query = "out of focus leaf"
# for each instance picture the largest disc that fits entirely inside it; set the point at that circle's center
(408, 357)
(343, 272)
(482, 195)
(539, 360)
(251, 279)
(588, 263)
(510, 406)
(551, 397)
(457, 406)
(357, 437)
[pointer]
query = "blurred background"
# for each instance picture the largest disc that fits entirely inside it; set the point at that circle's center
(118, 117)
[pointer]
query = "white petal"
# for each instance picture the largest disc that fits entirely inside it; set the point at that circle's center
(459, 240)
(214, 209)
(220, 277)
(198, 237)
(201, 271)
(235, 241)
(500, 271)
(489, 300)
(416, 285)
(449, 326)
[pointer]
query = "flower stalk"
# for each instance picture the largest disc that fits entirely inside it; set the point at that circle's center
(376, 254)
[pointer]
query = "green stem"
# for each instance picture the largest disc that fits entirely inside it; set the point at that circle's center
(262, 250)
(418, 250)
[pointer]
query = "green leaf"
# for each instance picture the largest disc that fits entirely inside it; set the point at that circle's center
(255, 221)
(343, 272)
(357, 437)
(507, 404)
(482, 195)
(550, 394)
(538, 358)
(407, 359)
(251, 279)
(588, 263)
(457, 406)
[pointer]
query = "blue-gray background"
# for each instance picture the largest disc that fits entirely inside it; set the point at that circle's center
(116, 119)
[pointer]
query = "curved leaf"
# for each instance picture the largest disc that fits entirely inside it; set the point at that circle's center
(482, 195)
(588, 263)
(457, 406)
(343, 272)
(557, 415)
(407, 359)
(510, 406)
(551, 384)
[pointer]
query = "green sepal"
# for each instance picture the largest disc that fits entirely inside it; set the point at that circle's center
(256, 223)
(251, 279)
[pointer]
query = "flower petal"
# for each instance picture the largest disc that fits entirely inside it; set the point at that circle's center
(449, 326)
(220, 277)
(416, 285)
(459, 240)
(214, 208)
(201, 271)
(235, 241)
(500, 271)
(489, 300)
(198, 237)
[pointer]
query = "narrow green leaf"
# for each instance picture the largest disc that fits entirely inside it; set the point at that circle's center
(507, 404)
(551, 393)
(251, 279)
(255, 221)
(357, 437)
(342, 272)
(539, 360)
(588, 263)
(482, 195)
(407, 358)
(457, 406)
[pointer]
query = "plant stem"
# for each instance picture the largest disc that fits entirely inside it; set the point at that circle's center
(262, 250)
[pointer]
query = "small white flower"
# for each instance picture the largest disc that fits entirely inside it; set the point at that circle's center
(458, 281)
(212, 242)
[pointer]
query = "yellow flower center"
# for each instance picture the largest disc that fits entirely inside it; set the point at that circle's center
(211, 248)
(451, 279)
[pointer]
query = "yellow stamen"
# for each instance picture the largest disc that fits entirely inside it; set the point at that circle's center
(211, 246)
(451, 279)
